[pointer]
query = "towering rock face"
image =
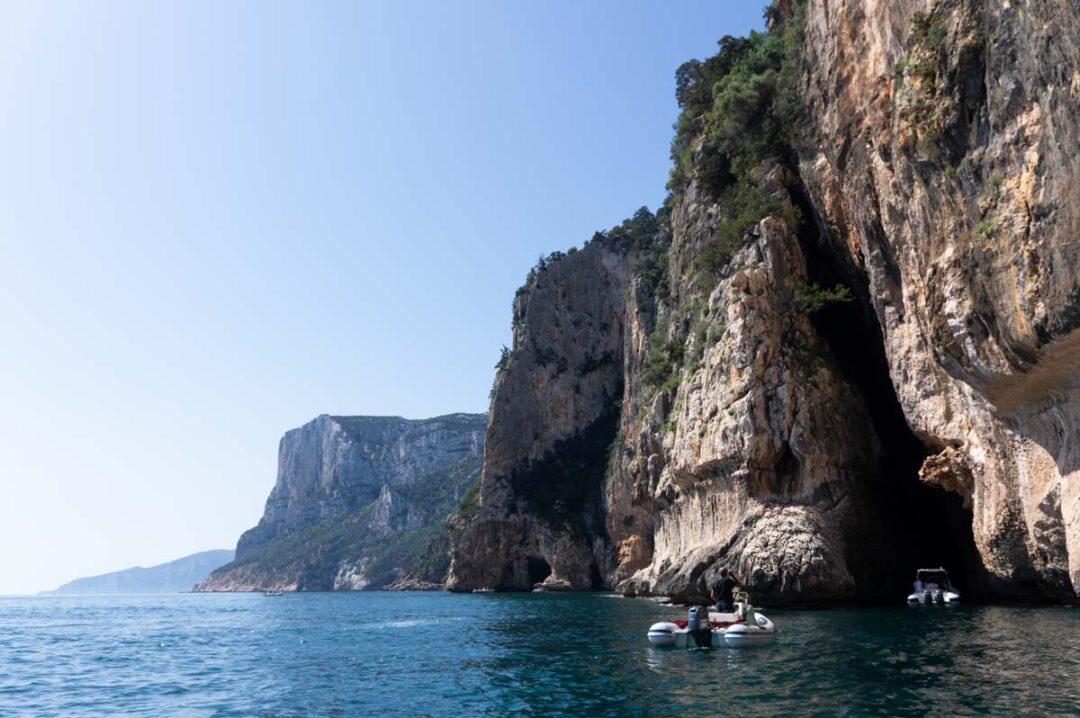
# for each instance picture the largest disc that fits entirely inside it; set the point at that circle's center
(553, 418)
(359, 503)
(760, 458)
(945, 162)
(882, 373)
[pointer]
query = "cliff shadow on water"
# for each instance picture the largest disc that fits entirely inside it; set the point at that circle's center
(924, 527)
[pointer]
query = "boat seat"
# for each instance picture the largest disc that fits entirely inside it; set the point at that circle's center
(717, 617)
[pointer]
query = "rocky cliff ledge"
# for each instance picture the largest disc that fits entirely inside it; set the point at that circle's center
(848, 344)
(360, 503)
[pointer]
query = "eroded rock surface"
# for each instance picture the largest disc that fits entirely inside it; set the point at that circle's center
(945, 161)
(762, 462)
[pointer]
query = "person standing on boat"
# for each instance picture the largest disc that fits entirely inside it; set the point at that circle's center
(723, 591)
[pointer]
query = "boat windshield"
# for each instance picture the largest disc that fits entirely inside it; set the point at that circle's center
(941, 578)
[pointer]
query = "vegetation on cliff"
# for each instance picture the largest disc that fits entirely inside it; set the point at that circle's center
(739, 113)
(739, 109)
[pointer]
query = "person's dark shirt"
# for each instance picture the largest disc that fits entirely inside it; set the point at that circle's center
(724, 588)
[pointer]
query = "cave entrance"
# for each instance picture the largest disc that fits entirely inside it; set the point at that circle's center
(923, 526)
(538, 569)
(931, 528)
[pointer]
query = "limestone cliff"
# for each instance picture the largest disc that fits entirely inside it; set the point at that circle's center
(552, 421)
(360, 502)
(945, 162)
(846, 346)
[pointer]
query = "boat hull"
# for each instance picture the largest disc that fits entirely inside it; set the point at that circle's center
(743, 635)
(934, 598)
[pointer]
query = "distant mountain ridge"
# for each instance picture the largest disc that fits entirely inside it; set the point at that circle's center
(174, 576)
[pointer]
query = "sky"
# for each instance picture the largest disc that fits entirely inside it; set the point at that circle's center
(220, 220)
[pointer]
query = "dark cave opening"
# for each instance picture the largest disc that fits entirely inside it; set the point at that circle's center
(923, 527)
(538, 570)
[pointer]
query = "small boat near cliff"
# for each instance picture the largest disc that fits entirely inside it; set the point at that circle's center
(273, 592)
(711, 629)
(933, 588)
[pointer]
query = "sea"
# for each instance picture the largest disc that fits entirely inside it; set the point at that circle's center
(585, 654)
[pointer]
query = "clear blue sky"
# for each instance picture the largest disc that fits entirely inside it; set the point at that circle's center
(221, 219)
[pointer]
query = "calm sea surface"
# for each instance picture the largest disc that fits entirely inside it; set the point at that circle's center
(532, 654)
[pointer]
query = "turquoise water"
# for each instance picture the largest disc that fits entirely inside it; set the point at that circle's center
(531, 654)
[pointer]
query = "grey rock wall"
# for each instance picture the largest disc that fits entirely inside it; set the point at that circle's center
(356, 500)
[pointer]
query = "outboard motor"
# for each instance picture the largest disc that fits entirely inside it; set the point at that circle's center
(699, 626)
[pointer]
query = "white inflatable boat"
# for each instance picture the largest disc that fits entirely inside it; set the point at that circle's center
(744, 627)
(933, 588)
